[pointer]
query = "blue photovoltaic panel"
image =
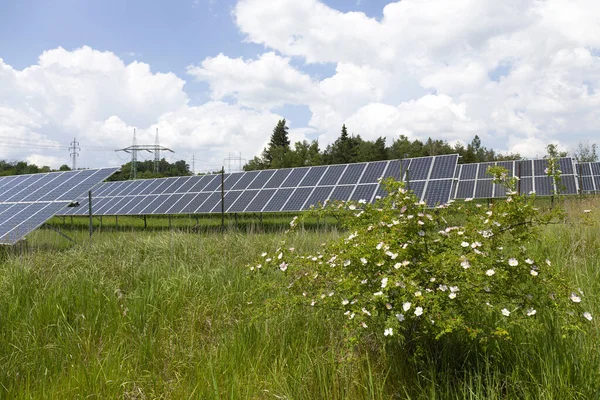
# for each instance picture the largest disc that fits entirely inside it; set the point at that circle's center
(444, 167)
(262, 178)
(232, 180)
(28, 201)
(295, 177)
(200, 183)
(332, 175)
(468, 171)
(210, 203)
(483, 189)
(483, 170)
(419, 169)
(313, 177)
(341, 193)
(318, 196)
(278, 200)
(242, 202)
(364, 192)
(196, 202)
(213, 184)
(245, 180)
(259, 201)
(417, 188)
(393, 170)
(179, 204)
(526, 185)
(466, 189)
(543, 186)
(277, 179)
(587, 184)
(297, 199)
(352, 174)
(438, 192)
(373, 172)
(228, 199)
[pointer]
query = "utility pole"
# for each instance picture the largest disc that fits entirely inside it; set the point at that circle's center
(194, 164)
(134, 148)
(234, 159)
(74, 150)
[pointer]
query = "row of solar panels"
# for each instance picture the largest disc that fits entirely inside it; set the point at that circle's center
(472, 180)
(27, 201)
(291, 189)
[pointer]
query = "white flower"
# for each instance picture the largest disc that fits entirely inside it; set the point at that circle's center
(263, 255)
(418, 311)
(475, 245)
(362, 201)
(283, 266)
(454, 289)
(400, 317)
(406, 306)
(505, 312)
(465, 244)
(468, 199)
(452, 295)
(363, 325)
(587, 316)
(363, 281)
(487, 234)
(388, 306)
(384, 282)
(418, 293)
(280, 256)
(490, 272)
(574, 298)
(443, 288)
(365, 311)
(346, 263)
(344, 302)
(268, 260)
(587, 211)
(352, 207)
(548, 262)
(388, 332)
(533, 272)
(420, 222)
(513, 262)
(393, 256)
(529, 261)
(377, 293)
(465, 264)
(397, 265)
(379, 245)
(351, 316)
(363, 260)
(531, 312)
(312, 303)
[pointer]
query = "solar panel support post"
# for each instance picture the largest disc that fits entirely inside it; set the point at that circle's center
(519, 176)
(222, 199)
(90, 215)
(580, 182)
(116, 222)
(145, 223)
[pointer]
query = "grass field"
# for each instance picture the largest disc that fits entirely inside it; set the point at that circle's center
(141, 314)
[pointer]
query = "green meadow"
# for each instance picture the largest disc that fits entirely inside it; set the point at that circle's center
(173, 313)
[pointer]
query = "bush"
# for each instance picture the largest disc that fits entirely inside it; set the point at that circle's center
(406, 271)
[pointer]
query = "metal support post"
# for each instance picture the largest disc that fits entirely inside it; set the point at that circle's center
(91, 216)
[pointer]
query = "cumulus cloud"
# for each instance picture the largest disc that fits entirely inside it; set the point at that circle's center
(547, 54)
(519, 73)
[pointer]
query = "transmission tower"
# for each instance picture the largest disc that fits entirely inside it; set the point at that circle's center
(134, 148)
(74, 150)
(156, 153)
(194, 164)
(233, 159)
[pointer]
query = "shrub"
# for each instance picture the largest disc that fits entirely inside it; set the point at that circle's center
(403, 270)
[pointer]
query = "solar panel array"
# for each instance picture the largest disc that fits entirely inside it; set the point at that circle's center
(289, 189)
(589, 176)
(27, 201)
(474, 182)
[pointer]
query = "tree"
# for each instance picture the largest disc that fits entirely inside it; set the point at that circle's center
(344, 149)
(586, 152)
(64, 167)
(279, 142)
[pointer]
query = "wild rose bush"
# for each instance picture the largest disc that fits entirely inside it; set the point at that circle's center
(403, 270)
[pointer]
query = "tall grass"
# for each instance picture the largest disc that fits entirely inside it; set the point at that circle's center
(167, 314)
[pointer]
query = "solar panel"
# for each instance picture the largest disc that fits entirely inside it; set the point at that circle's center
(290, 189)
(474, 182)
(28, 201)
(589, 177)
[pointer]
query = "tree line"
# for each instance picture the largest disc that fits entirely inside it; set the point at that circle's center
(279, 153)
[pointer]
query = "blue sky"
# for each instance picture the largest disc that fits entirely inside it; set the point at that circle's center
(519, 73)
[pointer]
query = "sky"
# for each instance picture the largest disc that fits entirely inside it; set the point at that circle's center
(215, 76)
